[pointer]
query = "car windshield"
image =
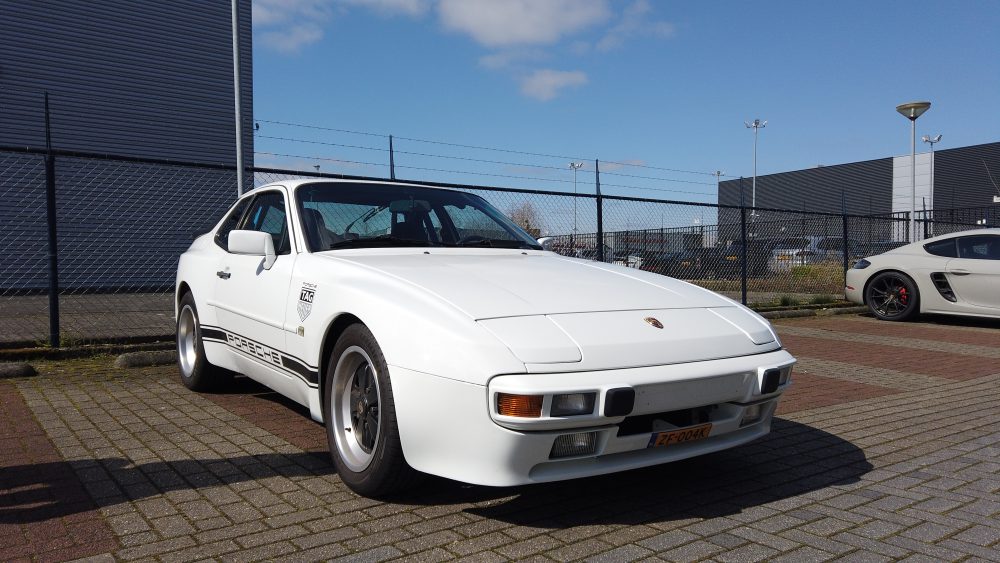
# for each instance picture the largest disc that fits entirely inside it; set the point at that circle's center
(356, 215)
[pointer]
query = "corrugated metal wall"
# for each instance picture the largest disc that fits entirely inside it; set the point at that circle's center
(960, 180)
(866, 186)
(138, 78)
(960, 177)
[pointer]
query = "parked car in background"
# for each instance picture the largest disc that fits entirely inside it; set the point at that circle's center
(432, 334)
(953, 274)
(726, 262)
(808, 250)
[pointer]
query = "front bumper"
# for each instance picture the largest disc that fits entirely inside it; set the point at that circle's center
(854, 291)
(447, 428)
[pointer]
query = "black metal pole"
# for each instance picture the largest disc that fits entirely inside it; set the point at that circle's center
(50, 212)
(743, 251)
(600, 211)
(392, 161)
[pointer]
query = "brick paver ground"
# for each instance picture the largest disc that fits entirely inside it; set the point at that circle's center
(887, 447)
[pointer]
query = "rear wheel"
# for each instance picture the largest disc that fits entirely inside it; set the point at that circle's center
(360, 415)
(892, 296)
(197, 373)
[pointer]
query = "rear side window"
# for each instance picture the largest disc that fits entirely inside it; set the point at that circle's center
(232, 220)
(980, 247)
(944, 248)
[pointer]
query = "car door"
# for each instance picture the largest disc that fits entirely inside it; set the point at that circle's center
(975, 274)
(250, 300)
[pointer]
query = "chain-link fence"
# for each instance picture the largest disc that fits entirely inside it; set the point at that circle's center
(122, 223)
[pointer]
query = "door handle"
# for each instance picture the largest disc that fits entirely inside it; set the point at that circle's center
(959, 272)
(223, 275)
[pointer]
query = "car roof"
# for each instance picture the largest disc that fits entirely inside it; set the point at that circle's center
(295, 183)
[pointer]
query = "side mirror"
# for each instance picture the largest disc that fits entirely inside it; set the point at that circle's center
(546, 243)
(253, 243)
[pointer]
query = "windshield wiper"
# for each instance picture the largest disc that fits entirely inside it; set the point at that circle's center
(371, 213)
(381, 240)
(499, 243)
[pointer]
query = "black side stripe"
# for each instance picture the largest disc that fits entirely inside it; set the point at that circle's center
(289, 364)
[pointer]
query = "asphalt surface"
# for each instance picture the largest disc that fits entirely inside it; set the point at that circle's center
(885, 448)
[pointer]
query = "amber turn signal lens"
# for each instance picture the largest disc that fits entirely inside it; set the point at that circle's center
(524, 406)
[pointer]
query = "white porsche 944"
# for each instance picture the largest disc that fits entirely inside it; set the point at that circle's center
(953, 274)
(431, 334)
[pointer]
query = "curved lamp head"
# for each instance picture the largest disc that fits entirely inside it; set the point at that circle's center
(913, 110)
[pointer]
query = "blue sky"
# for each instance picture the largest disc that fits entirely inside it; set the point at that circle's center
(663, 84)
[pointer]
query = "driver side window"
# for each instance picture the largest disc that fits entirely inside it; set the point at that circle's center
(267, 214)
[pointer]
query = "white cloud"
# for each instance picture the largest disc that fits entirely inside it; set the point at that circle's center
(393, 7)
(291, 39)
(545, 84)
(506, 23)
(635, 21)
(288, 25)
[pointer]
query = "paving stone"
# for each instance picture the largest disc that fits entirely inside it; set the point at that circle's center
(869, 461)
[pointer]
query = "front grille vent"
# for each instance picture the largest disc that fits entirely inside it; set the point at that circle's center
(643, 424)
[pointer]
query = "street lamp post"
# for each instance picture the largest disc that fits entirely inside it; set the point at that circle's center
(756, 125)
(911, 111)
(575, 166)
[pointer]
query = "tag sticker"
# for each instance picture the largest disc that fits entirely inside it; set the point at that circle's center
(306, 296)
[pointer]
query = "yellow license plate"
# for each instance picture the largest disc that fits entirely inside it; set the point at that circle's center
(659, 439)
(731, 258)
(784, 257)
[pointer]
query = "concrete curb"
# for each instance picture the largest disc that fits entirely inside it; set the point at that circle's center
(796, 313)
(10, 370)
(30, 354)
(144, 359)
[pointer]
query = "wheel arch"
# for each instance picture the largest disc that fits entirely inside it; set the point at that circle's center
(333, 332)
(182, 289)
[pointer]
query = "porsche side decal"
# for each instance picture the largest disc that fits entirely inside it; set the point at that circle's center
(274, 358)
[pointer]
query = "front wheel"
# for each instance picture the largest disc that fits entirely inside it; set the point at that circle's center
(892, 296)
(360, 415)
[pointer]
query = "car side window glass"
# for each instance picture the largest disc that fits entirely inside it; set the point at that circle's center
(944, 248)
(232, 220)
(267, 214)
(979, 247)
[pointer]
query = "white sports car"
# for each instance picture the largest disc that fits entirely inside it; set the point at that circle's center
(431, 334)
(954, 274)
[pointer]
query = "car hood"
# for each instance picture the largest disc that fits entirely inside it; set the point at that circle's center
(556, 313)
(498, 283)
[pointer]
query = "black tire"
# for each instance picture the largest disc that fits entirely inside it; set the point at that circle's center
(892, 296)
(197, 374)
(369, 461)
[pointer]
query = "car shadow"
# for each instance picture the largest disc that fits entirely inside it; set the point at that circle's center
(793, 460)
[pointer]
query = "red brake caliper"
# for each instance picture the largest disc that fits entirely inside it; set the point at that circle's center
(903, 296)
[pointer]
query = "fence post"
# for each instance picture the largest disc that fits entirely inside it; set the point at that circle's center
(743, 251)
(843, 212)
(50, 213)
(600, 211)
(392, 161)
